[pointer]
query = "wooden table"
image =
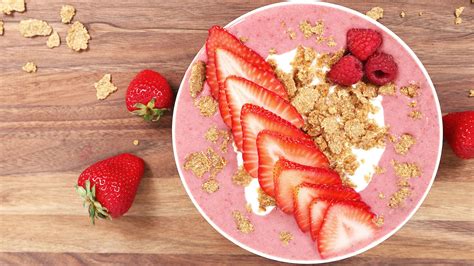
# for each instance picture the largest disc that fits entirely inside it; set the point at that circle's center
(52, 127)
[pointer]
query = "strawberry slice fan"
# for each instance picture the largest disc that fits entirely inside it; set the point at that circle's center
(288, 164)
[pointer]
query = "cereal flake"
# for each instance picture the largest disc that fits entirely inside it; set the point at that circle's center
(30, 67)
(309, 30)
(243, 223)
(285, 237)
(9, 6)
(34, 27)
(471, 93)
(198, 163)
(457, 15)
(291, 34)
(77, 37)
(241, 177)
(67, 13)
(406, 170)
(411, 90)
(264, 200)
(53, 40)
(415, 114)
(104, 87)
(210, 186)
(381, 195)
(206, 105)
(388, 89)
(1, 27)
(379, 220)
(212, 134)
(404, 144)
(375, 13)
(402, 14)
(399, 197)
(197, 78)
(136, 142)
(243, 39)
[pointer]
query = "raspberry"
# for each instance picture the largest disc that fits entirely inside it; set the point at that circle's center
(381, 69)
(346, 71)
(362, 43)
(459, 133)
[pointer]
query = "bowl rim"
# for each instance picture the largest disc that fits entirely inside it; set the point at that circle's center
(371, 245)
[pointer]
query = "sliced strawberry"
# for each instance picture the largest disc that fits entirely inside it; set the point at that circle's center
(317, 211)
(255, 119)
(272, 146)
(304, 194)
(231, 64)
(221, 38)
(240, 91)
(345, 225)
(288, 175)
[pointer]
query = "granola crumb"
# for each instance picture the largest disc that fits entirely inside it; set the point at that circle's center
(243, 223)
(458, 11)
(210, 186)
(225, 135)
(285, 237)
(77, 37)
(1, 27)
(291, 34)
(9, 6)
(367, 178)
(375, 13)
(411, 90)
(34, 27)
(402, 14)
(136, 142)
(309, 30)
(415, 114)
(272, 51)
(104, 87)
(212, 134)
(198, 163)
(420, 13)
(381, 195)
(241, 177)
(457, 21)
(244, 39)
(288, 82)
(379, 220)
(264, 200)
(387, 89)
(404, 144)
(197, 78)
(412, 104)
(30, 67)
(379, 170)
(202, 162)
(248, 207)
(53, 40)
(406, 170)
(67, 13)
(399, 197)
(207, 106)
(331, 42)
(471, 93)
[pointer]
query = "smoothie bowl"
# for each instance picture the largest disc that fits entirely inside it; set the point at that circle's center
(306, 133)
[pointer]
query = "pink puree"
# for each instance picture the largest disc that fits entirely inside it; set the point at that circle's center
(265, 32)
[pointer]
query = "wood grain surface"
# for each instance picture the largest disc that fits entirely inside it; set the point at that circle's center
(52, 127)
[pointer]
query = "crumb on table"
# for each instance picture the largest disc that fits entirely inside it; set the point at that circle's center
(375, 13)
(67, 13)
(77, 37)
(104, 87)
(34, 27)
(53, 40)
(30, 67)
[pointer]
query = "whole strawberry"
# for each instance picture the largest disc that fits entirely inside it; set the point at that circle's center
(459, 132)
(149, 95)
(108, 187)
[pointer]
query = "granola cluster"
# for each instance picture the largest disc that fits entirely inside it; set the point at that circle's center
(243, 224)
(337, 118)
(264, 200)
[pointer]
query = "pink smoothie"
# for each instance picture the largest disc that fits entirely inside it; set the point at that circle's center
(264, 30)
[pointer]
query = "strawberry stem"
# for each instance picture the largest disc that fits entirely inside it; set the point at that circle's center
(148, 111)
(95, 209)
